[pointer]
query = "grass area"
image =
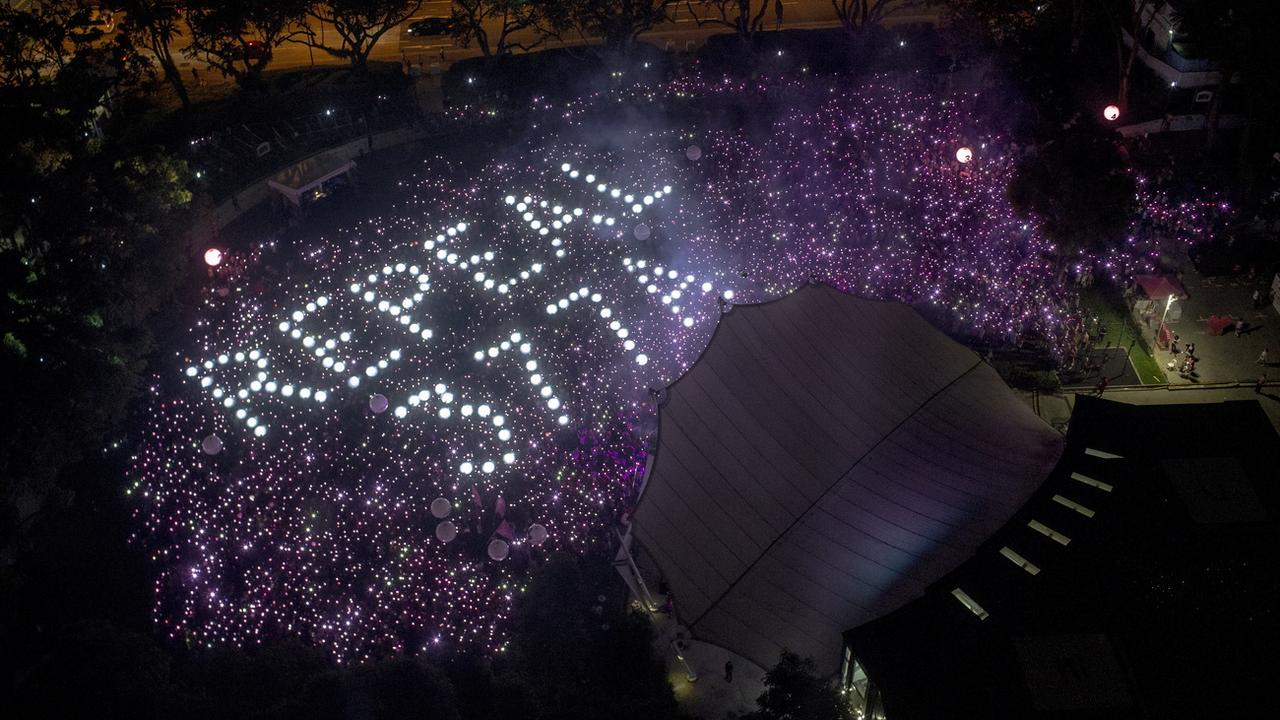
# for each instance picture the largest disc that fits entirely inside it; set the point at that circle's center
(1120, 331)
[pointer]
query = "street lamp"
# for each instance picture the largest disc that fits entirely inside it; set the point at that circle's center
(212, 257)
(964, 155)
(1111, 113)
(1168, 304)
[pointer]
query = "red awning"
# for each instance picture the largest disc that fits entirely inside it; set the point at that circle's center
(1161, 286)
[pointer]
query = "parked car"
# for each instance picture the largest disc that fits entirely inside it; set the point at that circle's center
(432, 26)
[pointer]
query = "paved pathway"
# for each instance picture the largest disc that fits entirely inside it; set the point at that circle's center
(1225, 358)
(710, 697)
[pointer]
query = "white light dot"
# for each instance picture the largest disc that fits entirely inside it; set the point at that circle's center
(642, 359)
(488, 466)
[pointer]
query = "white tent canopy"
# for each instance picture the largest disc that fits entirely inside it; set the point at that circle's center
(825, 460)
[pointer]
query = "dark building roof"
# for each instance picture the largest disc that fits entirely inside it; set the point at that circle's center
(825, 461)
(1140, 581)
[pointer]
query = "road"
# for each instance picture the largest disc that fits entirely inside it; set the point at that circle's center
(681, 33)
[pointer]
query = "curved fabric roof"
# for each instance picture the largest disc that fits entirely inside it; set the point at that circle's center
(825, 460)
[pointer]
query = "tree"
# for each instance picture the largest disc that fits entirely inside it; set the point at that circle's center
(91, 259)
(1003, 19)
(857, 16)
(794, 691)
(238, 37)
(89, 249)
(1141, 14)
(616, 22)
(155, 25)
(47, 54)
(469, 18)
(582, 658)
(740, 16)
(1215, 29)
(359, 24)
(1078, 188)
(35, 43)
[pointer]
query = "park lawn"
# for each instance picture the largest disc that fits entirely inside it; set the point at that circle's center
(1120, 331)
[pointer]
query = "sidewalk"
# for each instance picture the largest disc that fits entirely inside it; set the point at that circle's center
(1224, 358)
(710, 697)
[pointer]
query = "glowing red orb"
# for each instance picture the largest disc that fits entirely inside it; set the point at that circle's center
(212, 257)
(1111, 113)
(964, 154)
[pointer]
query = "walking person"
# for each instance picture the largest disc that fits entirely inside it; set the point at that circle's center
(1191, 349)
(728, 671)
(1257, 387)
(1257, 299)
(1239, 326)
(1262, 357)
(1101, 387)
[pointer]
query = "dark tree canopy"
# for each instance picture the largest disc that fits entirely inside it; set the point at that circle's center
(795, 691)
(358, 25)
(1078, 187)
(469, 18)
(238, 37)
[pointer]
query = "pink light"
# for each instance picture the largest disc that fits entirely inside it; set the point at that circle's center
(213, 257)
(1111, 113)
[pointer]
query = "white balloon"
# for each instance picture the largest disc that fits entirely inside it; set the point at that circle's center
(441, 507)
(642, 232)
(378, 403)
(446, 532)
(498, 549)
(693, 152)
(212, 445)
(537, 534)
